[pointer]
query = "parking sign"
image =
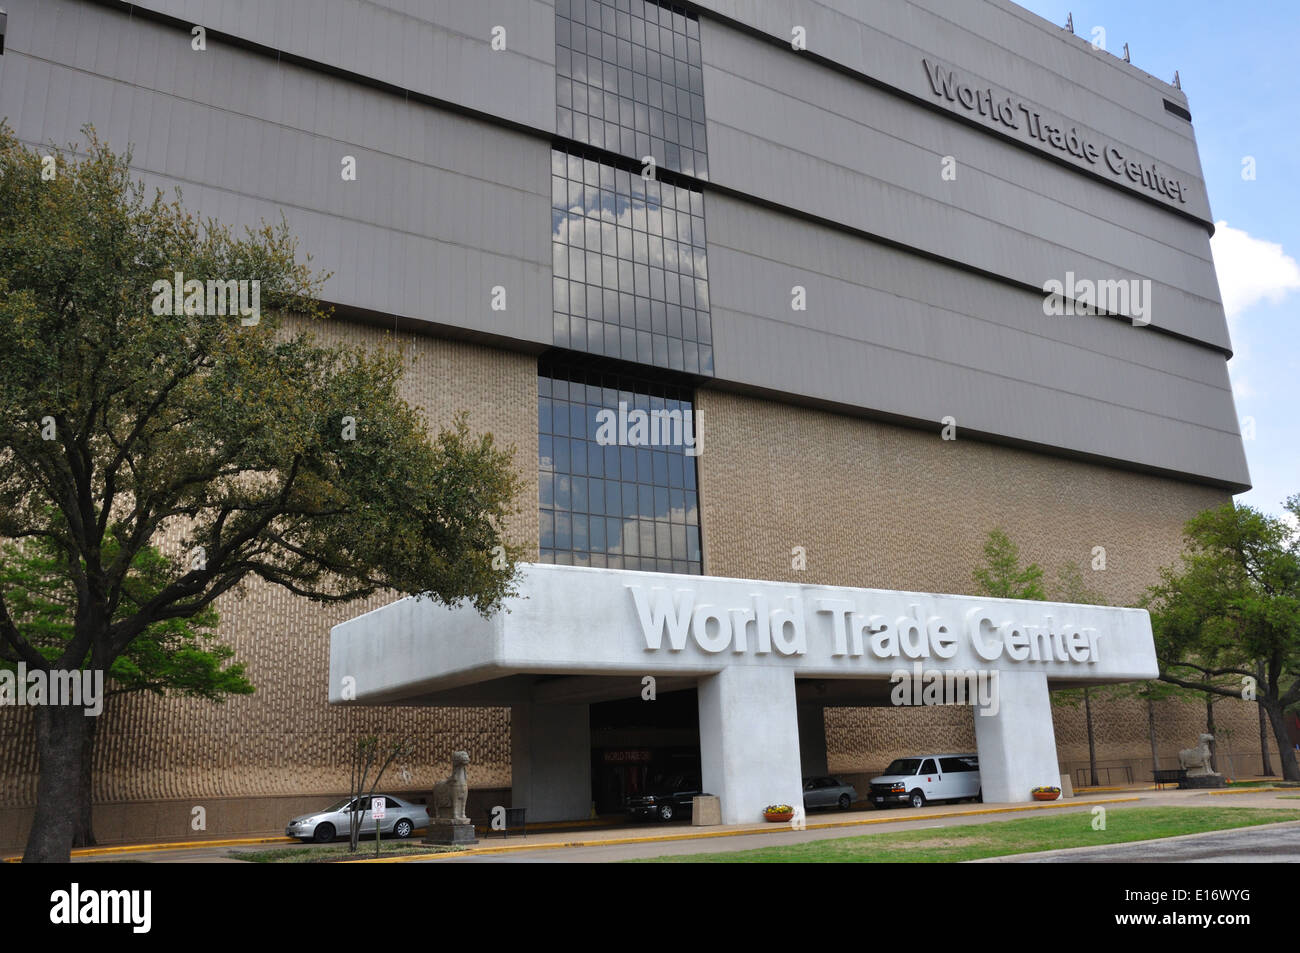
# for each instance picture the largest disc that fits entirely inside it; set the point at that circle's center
(377, 808)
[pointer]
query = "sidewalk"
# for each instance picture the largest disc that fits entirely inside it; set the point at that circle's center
(603, 831)
(607, 832)
(848, 822)
(845, 821)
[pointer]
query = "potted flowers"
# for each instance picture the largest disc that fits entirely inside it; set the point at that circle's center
(1046, 793)
(777, 813)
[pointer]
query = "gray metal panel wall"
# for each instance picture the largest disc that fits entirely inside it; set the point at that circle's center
(441, 48)
(447, 206)
(1000, 44)
(904, 336)
(444, 207)
(792, 131)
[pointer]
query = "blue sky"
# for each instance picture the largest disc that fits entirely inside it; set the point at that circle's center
(1237, 65)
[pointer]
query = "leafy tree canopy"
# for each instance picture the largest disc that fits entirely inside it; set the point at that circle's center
(267, 453)
(1227, 619)
(1002, 575)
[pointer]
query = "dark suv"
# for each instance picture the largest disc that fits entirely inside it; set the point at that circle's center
(667, 799)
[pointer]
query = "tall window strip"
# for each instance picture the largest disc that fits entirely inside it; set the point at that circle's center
(629, 79)
(616, 490)
(631, 277)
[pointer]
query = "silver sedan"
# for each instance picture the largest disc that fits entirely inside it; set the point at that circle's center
(401, 820)
(828, 792)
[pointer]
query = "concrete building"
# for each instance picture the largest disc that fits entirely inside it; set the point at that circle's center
(912, 271)
(765, 660)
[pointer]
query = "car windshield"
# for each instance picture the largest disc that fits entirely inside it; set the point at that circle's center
(904, 766)
(337, 807)
(670, 784)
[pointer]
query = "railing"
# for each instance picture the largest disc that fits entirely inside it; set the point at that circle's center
(1107, 775)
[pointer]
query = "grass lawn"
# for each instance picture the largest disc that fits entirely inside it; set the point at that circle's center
(996, 838)
(1261, 784)
(333, 853)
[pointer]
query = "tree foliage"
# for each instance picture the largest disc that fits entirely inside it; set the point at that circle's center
(366, 754)
(1002, 575)
(268, 454)
(1227, 619)
(181, 656)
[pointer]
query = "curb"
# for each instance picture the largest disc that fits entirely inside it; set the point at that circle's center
(241, 841)
(703, 835)
(178, 845)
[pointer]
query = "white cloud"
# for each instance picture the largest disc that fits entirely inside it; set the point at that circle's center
(1250, 269)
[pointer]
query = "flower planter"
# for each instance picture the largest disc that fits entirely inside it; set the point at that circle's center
(778, 813)
(1049, 795)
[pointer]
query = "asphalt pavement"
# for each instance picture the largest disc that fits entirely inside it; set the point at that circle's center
(601, 845)
(1274, 844)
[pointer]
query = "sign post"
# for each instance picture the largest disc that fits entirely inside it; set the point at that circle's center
(378, 808)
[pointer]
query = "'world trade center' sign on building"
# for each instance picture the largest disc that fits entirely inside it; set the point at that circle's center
(758, 653)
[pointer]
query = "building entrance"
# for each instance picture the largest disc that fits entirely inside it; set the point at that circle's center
(637, 744)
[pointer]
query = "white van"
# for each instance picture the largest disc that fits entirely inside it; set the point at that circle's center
(930, 777)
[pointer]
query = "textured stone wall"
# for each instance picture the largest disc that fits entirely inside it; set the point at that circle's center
(285, 739)
(887, 507)
(872, 504)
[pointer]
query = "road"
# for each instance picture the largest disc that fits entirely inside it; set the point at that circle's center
(713, 845)
(1271, 845)
(1275, 845)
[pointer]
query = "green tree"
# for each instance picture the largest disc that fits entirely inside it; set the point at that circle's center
(270, 455)
(1002, 575)
(1071, 587)
(1227, 621)
(366, 753)
(1148, 692)
(178, 657)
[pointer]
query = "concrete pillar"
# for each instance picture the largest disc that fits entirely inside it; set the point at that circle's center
(812, 739)
(1017, 746)
(749, 740)
(550, 761)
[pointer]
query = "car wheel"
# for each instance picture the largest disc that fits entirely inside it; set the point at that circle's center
(665, 812)
(403, 829)
(846, 802)
(323, 834)
(917, 799)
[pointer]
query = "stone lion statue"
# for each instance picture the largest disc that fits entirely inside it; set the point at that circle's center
(449, 795)
(1196, 761)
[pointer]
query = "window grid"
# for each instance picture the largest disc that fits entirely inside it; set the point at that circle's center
(612, 506)
(629, 80)
(629, 266)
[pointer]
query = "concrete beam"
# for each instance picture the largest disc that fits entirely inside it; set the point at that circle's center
(550, 761)
(587, 689)
(749, 740)
(1017, 746)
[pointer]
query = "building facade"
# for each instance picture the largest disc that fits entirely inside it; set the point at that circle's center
(911, 274)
